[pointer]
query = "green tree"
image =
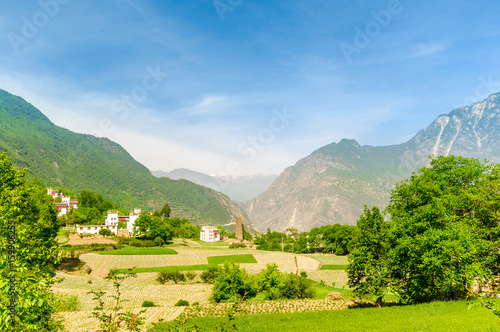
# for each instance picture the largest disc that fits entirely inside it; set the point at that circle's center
(165, 211)
(445, 229)
(105, 232)
(367, 270)
(28, 208)
(232, 284)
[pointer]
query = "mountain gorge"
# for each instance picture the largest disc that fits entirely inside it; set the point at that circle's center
(59, 157)
(239, 189)
(334, 183)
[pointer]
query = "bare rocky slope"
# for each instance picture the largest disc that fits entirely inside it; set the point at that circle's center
(334, 183)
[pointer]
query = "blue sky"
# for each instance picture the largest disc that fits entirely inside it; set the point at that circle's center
(242, 87)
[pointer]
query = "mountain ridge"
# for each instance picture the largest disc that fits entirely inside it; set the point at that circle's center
(334, 182)
(59, 157)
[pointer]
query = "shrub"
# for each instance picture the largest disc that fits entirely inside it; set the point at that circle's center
(190, 275)
(105, 232)
(232, 283)
(165, 276)
(182, 303)
(158, 241)
(296, 287)
(210, 274)
(237, 246)
(303, 274)
(147, 304)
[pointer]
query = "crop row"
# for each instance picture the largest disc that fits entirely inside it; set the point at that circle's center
(266, 307)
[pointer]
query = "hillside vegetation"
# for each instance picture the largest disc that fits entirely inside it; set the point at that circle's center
(61, 158)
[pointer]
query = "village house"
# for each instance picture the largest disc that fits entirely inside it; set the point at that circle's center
(111, 223)
(66, 203)
(210, 234)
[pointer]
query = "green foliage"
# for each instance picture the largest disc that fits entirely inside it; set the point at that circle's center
(105, 232)
(141, 251)
(111, 320)
(337, 239)
(210, 274)
(445, 229)
(59, 157)
(434, 316)
(166, 276)
(368, 266)
(182, 303)
(232, 284)
(237, 245)
(27, 207)
(148, 304)
(152, 227)
(303, 274)
(246, 258)
(158, 241)
(190, 275)
(67, 303)
(165, 211)
(442, 237)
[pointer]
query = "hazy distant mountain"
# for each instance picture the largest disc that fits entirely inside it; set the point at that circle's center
(333, 183)
(239, 189)
(59, 157)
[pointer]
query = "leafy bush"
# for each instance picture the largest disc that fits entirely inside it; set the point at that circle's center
(303, 274)
(277, 285)
(182, 303)
(232, 284)
(105, 232)
(210, 275)
(158, 241)
(237, 246)
(191, 275)
(147, 304)
(175, 276)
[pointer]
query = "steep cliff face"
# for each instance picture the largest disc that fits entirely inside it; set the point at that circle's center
(334, 183)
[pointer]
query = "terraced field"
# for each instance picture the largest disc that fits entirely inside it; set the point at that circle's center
(145, 287)
(101, 264)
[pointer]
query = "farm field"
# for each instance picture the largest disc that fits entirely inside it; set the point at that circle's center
(101, 264)
(140, 251)
(145, 286)
(436, 316)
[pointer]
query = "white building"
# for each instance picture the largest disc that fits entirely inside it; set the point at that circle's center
(94, 229)
(210, 234)
(112, 219)
(66, 202)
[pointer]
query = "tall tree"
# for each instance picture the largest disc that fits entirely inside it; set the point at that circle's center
(165, 211)
(445, 229)
(368, 270)
(28, 220)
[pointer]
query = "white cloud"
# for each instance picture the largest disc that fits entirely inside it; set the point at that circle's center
(427, 49)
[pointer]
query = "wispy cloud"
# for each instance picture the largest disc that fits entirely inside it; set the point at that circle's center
(421, 50)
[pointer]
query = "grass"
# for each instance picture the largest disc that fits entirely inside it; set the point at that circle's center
(435, 316)
(141, 251)
(333, 267)
(211, 244)
(247, 258)
(202, 267)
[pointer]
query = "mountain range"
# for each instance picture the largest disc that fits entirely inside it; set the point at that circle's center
(334, 183)
(238, 189)
(61, 158)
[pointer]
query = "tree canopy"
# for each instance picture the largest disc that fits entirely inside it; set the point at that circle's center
(26, 206)
(442, 236)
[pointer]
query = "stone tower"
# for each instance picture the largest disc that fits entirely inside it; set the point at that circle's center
(239, 229)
